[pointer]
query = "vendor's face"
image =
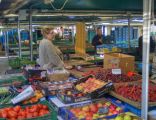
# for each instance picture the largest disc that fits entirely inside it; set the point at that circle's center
(51, 35)
(99, 32)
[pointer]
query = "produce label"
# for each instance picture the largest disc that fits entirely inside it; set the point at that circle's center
(116, 71)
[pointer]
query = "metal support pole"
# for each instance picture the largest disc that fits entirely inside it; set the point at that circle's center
(146, 44)
(5, 42)
(19, 37)
(30, 35)
(129, 32)
(152, 14)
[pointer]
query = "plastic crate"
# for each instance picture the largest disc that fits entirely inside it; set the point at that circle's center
(14, 71)
(67, 115)
(12, 79)
(14, 63)
(51, 116)
(99, 91)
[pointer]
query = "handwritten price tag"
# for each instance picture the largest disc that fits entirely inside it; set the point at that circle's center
(116, 71)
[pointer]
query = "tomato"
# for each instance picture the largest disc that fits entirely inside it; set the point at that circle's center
(7, 109)
(42, 112)
(22, 113)
(35, 114)
(39, 106)
(29, 115)
(45, 107)
(12, 114)
(33, 109)
(4, 114)
(27, 109)
(46, 112)
(17, 108)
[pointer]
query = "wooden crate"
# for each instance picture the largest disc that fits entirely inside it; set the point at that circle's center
(133, 103)
(118, 60)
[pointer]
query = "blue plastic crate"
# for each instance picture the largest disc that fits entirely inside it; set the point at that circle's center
(67, 115)
(133, 109)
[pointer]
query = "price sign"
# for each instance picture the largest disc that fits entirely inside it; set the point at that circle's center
(116, 71)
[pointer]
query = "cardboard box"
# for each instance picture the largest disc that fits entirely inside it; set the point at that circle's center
(118, 60)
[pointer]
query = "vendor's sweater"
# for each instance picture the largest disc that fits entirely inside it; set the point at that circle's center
(49, 55)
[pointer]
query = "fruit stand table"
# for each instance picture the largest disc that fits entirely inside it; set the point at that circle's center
(77, 63)
(79, 74)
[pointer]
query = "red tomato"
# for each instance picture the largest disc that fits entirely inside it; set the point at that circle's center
(35, 114)
(22, 113)
(7, 109)
(42, 112)
(17, 108)
(40, 106)
(45, 107)
(46, 112)
(4, 114)
(12, 114)
(27, 109)
(33, 109)
(29, 115)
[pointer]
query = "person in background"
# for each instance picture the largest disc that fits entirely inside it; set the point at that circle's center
(98, 38)
(49, 55)
(140, 47)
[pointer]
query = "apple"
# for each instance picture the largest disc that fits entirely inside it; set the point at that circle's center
(108, 103)
(127, 117)
(95, 116)
(69, 93)
(79, 95)
(85, 108)
(81, 117)
(115, 112)
(118, 109)
(99, 105)
(119, 118)
(88, 118)
(112, 107)
(93, 108)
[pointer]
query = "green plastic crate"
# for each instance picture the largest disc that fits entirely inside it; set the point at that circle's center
(51, 116)
(16, 63)
(11, 79)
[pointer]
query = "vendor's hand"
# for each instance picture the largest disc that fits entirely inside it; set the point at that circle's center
(68, 66)
(100, 40)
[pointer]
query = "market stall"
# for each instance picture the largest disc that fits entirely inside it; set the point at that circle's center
(102, 84)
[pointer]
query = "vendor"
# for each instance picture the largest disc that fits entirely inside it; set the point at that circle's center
(49, 55)
(98, 38)
(140, 47)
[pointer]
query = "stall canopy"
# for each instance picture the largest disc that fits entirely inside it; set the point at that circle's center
(12, 6)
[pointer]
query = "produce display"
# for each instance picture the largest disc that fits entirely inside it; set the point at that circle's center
(90, 85)
(106, 75)
(53, 87)
(95, 111)
(18, 113)
(6, 94)
(4, 90)
(8, 80)
(34, 73)
(38, 95)
(6, 98)
(126, 116)
(133, 91)
(71, 96)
